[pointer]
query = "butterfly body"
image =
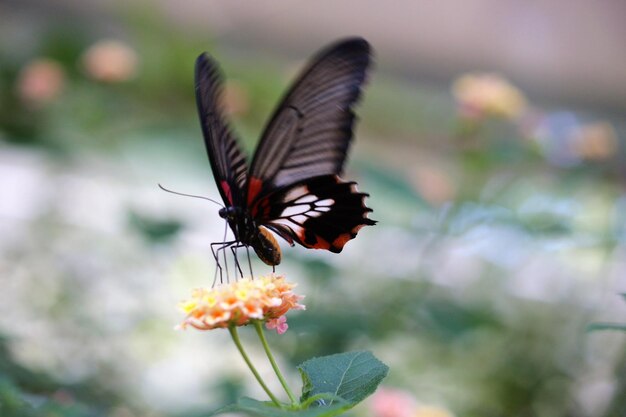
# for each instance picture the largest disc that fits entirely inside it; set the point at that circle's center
(250, 234)
(292, 186)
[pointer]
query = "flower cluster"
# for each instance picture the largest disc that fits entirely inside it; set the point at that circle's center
(237, 304)
(488, 95)
(40, 82)
(110, 61)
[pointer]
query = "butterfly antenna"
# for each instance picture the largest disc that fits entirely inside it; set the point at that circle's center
(191, 195)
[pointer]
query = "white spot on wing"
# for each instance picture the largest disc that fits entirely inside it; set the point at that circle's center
(296, 193)
(306, 199)
(299, 219)
(298, 230)
(295, 210)
(325, 203)
(308, 203)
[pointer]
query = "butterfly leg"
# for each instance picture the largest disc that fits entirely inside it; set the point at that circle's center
(233, 249)
(249, 262)
(216, 256)
(218, 268)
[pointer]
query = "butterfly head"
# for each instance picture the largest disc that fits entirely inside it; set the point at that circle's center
(230, 213)
(240, 222)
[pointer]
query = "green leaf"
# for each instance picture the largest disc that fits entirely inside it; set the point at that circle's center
(269, 409)
(352, 376)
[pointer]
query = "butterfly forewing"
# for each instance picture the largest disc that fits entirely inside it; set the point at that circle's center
(227, 160)
(310, 131)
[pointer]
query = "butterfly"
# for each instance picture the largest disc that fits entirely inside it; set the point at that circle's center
(292, 185)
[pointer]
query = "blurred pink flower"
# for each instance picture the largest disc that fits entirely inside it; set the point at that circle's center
(397, 403)
(110, 61)
(393, 403)
(40, 82)
(487, 95)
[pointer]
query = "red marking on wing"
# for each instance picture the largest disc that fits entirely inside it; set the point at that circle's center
(254, 188)
(258, 207)
(341, 240)
(321, 244)
(227, 191)
(261, 209)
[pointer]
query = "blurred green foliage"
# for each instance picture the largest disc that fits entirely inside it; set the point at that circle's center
(26, 393)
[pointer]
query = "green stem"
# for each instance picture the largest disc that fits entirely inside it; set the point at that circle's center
(259, 331)
(235, 337)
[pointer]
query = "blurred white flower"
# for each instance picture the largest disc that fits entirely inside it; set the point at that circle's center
(110, 61)
(40, 82)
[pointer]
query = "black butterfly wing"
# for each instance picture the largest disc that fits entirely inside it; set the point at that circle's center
(321, 212)
(310, 131)
(228, 162)
(293, 185)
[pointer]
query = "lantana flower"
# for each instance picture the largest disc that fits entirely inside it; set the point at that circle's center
(110, 61)
(40, 82)
(266, 299)
(488, 95)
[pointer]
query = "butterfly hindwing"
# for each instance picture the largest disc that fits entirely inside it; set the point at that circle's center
(228, 162)
(321, 212)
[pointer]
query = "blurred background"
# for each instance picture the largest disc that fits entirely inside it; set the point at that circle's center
(492, 141)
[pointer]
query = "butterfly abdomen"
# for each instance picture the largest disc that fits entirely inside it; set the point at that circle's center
(266, 247)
